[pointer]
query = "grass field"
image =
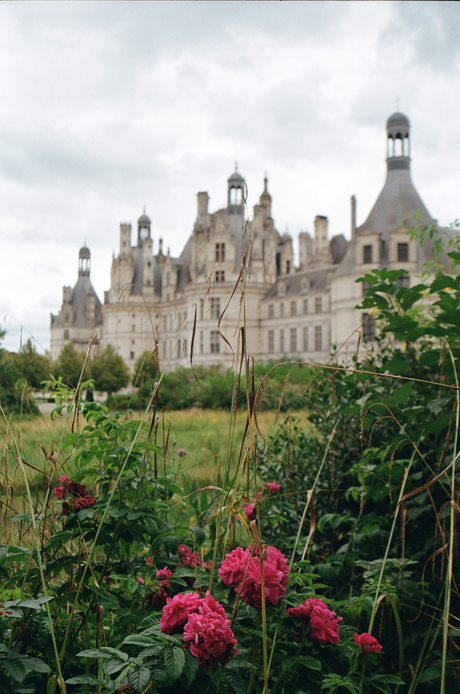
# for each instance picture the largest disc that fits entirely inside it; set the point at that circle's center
(202, 434)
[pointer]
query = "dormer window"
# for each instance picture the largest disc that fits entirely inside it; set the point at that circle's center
(220, 276)
(367, 254)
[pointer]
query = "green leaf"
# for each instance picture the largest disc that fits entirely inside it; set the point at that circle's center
(174, 661)
(36, 664)
(113, 665)
(378, 684)
(139, 677)
(85, 679)
(138, 640)
(235, 680)
(20, 517)
(308, 662)
(16, 668)
(190, 666)
(104, 652)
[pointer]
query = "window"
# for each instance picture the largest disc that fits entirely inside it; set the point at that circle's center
(215, 308)
(131, 356)
(220, 252)
(293, 340)
(281, 309)
(403, 252)
(282, 341)
(368, 328)
(305, 339)
(220, 276)
(66, 317)
(271, 311)
(201, 342)
(214, 343)
(271, 341)
(305, 307)
(201, 309)
(293, 308)
(367, 254)
(66, 334)
(318, 305)
(318, 338)
(134, 328)
(288, 267)
(133, 342)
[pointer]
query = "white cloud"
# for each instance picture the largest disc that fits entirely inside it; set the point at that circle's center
(107, 106)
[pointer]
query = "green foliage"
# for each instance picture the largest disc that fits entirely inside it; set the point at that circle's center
(70, 365)
(14, 394)
(32, 367)
(109, 371)
(145, 369)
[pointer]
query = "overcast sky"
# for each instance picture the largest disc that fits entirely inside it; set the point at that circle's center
(110, 106)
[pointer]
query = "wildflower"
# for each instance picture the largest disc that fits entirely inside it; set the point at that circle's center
(177, 610)
(324, 624)
(232, 569)
(181, 452)
(209, 635)
(140, 580)
(368, 643)
(272, 487)
(149, 561)
(164, 574)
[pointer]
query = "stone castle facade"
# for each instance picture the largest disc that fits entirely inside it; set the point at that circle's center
(192, 303)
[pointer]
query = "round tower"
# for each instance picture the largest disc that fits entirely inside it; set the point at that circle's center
(398, 142)
(236, 186)
(143, 227)
(84, 262)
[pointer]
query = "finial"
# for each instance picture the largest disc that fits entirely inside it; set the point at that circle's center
(236, 166)
(144, 210)
(265, 182)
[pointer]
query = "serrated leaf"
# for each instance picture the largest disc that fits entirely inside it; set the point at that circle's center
(105, 652)
(139, 677)
(36, 664)
(85, 679)
(174, 661)
(235, 680)
(113, 665)
(16, 668)
(382, 686)
(190, 666)
(138, 640)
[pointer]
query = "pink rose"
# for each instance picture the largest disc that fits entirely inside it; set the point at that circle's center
(304, 610)
(234, 565)
(272, 487)
(149, 561)
(177, 610)
(208, 633)
(164, 574)
(324, 625)
(249, 511)
(368, 643)
(140, 580)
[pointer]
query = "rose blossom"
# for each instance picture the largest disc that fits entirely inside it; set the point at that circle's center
(251, 591)
(209, 635)
(304, 610)
(368, 643)
(324, 624)
(149, 561)
(140, 580)
(272, 487)
(164, 573)
(177, 610)
(234, 565)
(82, 502)
(249, 511)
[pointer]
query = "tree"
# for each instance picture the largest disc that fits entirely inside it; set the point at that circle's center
(12, 394)
(109, 371)
(31, 366)
(145, 369)
(69, 365)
